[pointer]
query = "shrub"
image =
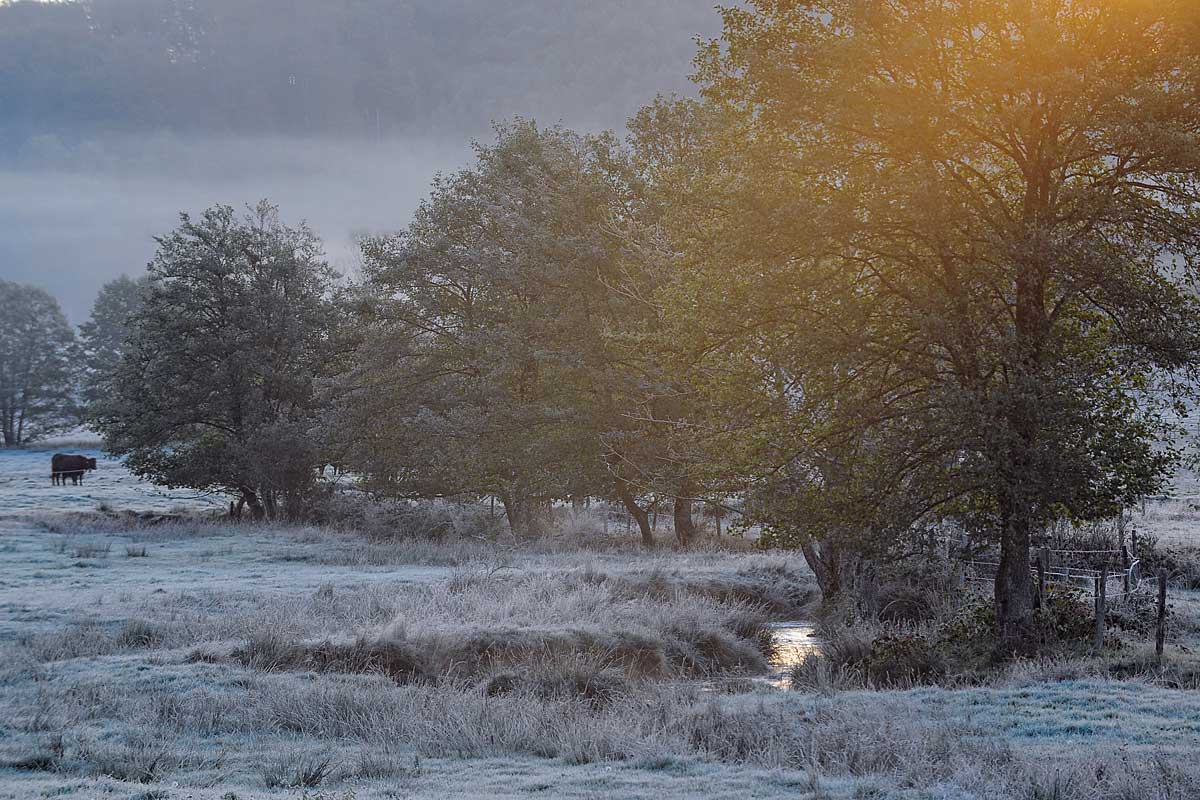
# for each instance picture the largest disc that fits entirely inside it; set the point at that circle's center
(45, 757)
(582, 681)
(899, 659)
(1135, 613)
(905, 604)
(968, 639)
(859, 658)
(270, 652)
(819, 673)
(91, 550)
(386, 763)
(297, 771)
(1065, 617)
(138, 762)
(383, 520)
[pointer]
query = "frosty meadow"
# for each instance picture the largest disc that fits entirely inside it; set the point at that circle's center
(819, 426)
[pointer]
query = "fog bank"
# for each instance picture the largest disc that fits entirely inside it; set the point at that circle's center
(71, 222)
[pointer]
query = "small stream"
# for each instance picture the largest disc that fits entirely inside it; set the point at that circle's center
(793, 642)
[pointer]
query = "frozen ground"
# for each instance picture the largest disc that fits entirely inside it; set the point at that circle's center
(25, 485)
(119, 678)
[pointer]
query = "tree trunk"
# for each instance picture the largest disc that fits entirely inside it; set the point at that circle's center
(1014, 590)
(1017, 495)
(832, 566)
(637, 512)
(10, 436)
(252, 502)
(270, 506)
(523, 519)
(685, 527)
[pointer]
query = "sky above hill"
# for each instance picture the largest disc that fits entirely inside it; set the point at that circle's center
(118, 114)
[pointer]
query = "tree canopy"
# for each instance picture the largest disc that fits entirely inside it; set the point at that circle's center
(508, 349)
(103, 336)
(949, 261)
(37, 364)
(216, 387)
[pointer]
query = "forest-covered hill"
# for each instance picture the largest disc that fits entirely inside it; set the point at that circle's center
(353, 67)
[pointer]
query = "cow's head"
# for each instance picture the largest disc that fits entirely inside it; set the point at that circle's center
(91, 463)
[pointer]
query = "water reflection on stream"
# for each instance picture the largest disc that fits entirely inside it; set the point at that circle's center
(793, 642)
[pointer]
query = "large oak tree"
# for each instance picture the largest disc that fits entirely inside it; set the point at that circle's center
(943, 262)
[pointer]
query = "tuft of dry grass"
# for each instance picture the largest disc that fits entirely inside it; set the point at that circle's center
(297, 770)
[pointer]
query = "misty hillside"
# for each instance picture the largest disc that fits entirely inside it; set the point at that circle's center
(359, 67)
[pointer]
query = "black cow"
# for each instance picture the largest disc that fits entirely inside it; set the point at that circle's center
(73, 467)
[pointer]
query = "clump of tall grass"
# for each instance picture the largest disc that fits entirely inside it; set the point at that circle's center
(297, 770)
(487, 622)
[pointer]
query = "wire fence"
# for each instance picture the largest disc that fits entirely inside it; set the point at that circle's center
(1120, 582)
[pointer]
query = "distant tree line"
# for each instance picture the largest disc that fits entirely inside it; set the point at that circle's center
(49, 372)
(896, 269)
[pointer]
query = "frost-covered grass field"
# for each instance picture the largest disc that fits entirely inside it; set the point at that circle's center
(25, 484)
(204, 660)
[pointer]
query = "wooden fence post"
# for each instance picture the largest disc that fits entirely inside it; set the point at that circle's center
(1125, 562)
(1161, 634)
(1133, 541)
(1101, 592)
(1043, 568)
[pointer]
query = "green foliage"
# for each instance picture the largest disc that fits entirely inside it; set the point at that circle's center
(1065, 617)
(473, 374)
(1066, 621)
(102, 338)
(968, 638)
(38, 357)
(900, 659)
(927, 269)
(216, 386)
(504, 345)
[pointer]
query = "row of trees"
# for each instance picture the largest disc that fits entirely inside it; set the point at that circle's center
(48, 371)
(904, 264)
(505, 344)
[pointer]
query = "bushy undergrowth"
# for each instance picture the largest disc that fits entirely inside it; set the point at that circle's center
(780, 591)
(382, 520)
(949, 638)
